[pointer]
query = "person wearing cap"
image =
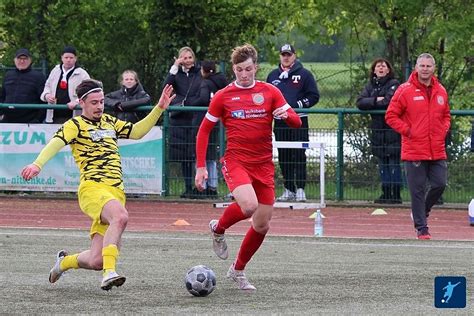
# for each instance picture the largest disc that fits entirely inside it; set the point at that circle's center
(300, 90)
(93, 138)
(23, 85)
(60, 87)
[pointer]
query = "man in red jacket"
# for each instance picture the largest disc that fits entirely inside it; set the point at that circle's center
(419, 111)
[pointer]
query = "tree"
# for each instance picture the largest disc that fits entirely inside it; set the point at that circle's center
(113, 35)
(407, 28)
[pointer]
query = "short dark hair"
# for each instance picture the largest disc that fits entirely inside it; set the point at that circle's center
(244, 52)
(381, 60)
(208, 67)
(86, 86)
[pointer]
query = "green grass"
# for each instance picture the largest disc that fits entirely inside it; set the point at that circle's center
(293, 275)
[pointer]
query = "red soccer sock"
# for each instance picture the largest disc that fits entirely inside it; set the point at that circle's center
(249, 247)
(232, 214)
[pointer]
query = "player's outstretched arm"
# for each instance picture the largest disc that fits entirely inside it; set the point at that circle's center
(142, 127)
(30, 171)
(166, 97)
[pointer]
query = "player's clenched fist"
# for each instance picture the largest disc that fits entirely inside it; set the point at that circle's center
(30, 171)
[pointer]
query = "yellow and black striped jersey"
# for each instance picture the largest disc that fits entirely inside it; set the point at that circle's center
(95, 148)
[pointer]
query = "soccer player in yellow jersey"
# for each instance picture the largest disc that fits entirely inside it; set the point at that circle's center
(93, 139)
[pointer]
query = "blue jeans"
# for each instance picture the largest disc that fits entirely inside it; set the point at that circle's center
(390, 170)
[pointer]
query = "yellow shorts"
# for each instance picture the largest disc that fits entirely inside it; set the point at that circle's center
(92, 198)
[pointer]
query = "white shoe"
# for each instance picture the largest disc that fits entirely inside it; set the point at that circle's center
(287, 196)
(300, 195)
(238, 276)
(56, 271)
(218, 241)
(112, 279)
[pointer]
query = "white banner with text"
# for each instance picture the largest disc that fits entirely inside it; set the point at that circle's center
(21, 143)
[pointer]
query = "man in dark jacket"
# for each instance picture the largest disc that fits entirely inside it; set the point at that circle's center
(299, 88)
(22, 85)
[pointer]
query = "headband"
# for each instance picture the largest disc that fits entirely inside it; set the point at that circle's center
(90, 91)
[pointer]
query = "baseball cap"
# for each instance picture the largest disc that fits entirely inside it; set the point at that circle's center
(287, 48)
(22, 52)
(69, 49)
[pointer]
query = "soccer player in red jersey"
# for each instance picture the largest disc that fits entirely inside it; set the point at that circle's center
(247, 108)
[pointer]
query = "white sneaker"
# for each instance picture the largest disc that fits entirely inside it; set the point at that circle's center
(56, 271)
(239, 277)
(287, 196)
(112, 279)
(300, 195)
(218, 241)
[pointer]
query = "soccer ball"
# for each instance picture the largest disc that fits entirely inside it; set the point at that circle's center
(200, 280)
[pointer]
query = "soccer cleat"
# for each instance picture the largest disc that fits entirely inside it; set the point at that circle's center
(112, 279)
(238, 276)
(55, 273)
(287, 196)
(218, 241)
(423, 233)
(300, 195)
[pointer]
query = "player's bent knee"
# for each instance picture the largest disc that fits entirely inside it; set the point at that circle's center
(261, 228)
(121, 219)
(249, 207)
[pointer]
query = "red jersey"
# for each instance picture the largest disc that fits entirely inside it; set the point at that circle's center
(247, 116)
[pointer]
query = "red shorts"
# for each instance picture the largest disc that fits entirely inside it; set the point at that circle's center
(260, 176)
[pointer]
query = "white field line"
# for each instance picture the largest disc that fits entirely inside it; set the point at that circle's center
(308, 239)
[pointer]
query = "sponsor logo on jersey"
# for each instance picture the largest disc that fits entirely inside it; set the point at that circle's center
(258, 98)
(238, 114)
(235, 98)
(418, 98)
(97, 135)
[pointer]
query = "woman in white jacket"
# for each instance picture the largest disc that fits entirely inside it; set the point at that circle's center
(60, 87)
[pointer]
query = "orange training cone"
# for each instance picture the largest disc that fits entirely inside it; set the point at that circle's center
(181, 222)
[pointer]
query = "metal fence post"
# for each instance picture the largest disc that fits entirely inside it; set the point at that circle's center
(165, 131)
(340, 157)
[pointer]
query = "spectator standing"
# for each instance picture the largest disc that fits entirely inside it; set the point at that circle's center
(212, 82)
(247, 108)
(299, 88)
(23, 85)
(419, 111)
(60, 87)
(185, 77)
(131, 95)
(385, 142)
